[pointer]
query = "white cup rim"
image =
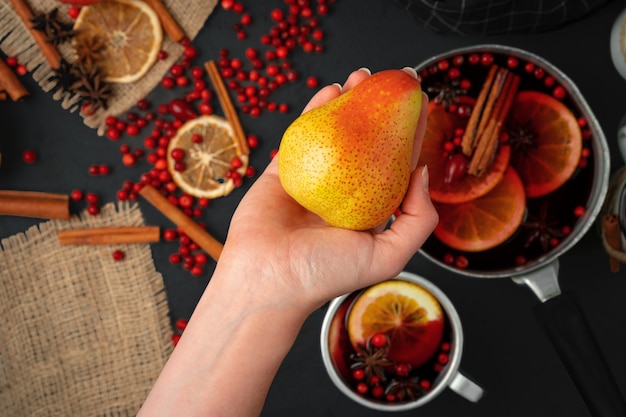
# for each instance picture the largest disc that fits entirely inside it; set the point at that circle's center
(447, 375)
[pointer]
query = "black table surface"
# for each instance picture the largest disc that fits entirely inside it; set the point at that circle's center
(506, 349)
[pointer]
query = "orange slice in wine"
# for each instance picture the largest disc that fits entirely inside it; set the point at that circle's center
(439, 130)
(546, 142)
(410, 317)
(485, 222)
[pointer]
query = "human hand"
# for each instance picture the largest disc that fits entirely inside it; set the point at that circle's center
(292, 256)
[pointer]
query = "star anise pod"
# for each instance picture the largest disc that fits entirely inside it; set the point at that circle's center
(371, 359)
(65, 76)
(404, 388)
(90, 86)
(542, 228)
(88, 51)
(447, 92)
(521, 138)
(56, 31)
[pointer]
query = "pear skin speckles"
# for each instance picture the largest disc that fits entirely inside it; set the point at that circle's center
(349, 160)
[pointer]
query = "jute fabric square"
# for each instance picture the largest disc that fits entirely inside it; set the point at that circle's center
(82, 334)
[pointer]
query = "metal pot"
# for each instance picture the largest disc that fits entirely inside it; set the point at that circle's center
(558, 312)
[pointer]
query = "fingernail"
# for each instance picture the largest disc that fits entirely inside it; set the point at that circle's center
(425, 178)
(339, 86)
(411, 71)
(366, 70)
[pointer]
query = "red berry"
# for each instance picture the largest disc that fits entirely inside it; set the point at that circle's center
(92, 198)
(21, 69)
(30, 156)
(311, 82)
(379, 340)
(73, 12)
(181, 324)
(118, 255)
(76, 195)
(93, 209)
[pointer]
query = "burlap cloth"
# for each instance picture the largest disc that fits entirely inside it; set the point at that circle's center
(15, 40)
(82, 334)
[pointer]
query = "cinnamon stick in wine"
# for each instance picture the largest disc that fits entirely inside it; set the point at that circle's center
(110, 235)
(34, 204)
(49, 51)
(187, 224)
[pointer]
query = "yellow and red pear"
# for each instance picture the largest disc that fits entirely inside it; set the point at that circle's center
(349, 160)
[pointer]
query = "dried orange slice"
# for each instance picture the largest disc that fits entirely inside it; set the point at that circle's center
(410, 317)
(485, 222)
(546, 141)
(439, 129)
(131, 35)
(200, 157)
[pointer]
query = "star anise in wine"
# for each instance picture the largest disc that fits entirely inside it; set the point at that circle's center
(371, 359)
(56, 31)
(88, 51)
(542, 228)
(404, 388)
(91, 87)
(447, 92)
(521, 138)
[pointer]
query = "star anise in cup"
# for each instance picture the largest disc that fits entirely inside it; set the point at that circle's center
(372, 360)
(405, 388)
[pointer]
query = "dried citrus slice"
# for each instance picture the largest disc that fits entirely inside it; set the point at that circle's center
(485, 222)
(546, 141)
(440, 129)
(410, 316)
(200, 157)
(130, 34)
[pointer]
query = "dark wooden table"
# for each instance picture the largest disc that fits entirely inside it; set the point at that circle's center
(506, 350)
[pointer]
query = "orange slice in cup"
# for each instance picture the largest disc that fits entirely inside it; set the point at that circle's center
(200, 157)
(129, 32)
(410, 317)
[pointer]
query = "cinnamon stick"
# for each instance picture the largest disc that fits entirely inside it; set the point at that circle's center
(10, 84)
(49, 51)
(190, 227)
(34, 204)
(612, 234)
(494, 93)
(110, 235)
(170, 25)
(228, 107)
(468, 140)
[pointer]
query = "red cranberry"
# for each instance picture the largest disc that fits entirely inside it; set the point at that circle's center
(30, 156)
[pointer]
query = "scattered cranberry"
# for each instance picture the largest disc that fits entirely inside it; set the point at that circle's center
(30, 156)
(76, 195)
(118, 255)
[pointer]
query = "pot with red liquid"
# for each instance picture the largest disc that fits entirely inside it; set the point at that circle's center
(542, 204)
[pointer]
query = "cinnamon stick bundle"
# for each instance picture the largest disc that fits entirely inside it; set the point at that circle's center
(481, 137)
(110, 235)
(49, 51)
(10, 84)
(34, 204)
(187, 224)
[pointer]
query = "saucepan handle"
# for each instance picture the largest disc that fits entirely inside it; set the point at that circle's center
(578, 349)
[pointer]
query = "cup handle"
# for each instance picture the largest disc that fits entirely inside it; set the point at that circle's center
(466, 388)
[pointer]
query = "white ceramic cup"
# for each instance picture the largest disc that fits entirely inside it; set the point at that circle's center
(450, 377)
